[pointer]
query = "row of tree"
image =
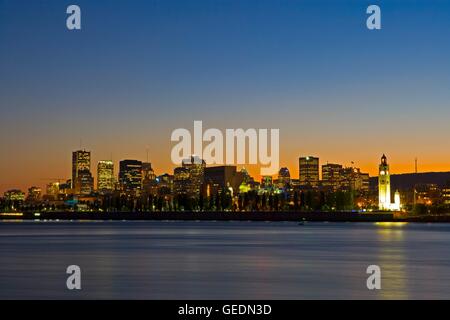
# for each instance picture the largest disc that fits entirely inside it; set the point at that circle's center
(221, 201)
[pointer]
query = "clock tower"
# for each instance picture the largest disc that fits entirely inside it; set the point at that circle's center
(384, 185)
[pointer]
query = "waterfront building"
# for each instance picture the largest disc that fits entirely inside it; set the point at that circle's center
(332, 176)
(165, 184)
(82, 180)
(309, 171)
(353, 179)
(181, 180)
(384, 188)
(130, 177)
(196, 168)
(105, 176)
(149, 183)
(446, 193)
(428, 193)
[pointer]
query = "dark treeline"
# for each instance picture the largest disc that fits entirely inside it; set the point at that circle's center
(309, 200)
(301, 201)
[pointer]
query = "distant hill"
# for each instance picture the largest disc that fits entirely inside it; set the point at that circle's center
(408, 180)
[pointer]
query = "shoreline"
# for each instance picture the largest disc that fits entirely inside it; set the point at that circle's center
(226, 216)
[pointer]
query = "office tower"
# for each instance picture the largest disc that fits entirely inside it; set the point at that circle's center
(149, 184)
(332, 176)
(82, 180)
(130, 177)
(105, 176)
(309, 171)
(84, 183)
(352, 179)
(196, 167)
(181, 180)
(365, 181)
(284, 177)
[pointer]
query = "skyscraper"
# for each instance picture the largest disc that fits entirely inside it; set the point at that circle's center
(149, 184)
(130, 177)
(181, 180)
(332, 176)
(82, 180)
(309, 171)
(196, 167)
(105, 176)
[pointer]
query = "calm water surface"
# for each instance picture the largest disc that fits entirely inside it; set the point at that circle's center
(223, 260)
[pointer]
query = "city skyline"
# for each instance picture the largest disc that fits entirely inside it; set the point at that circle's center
(92, 167)
(333, 87)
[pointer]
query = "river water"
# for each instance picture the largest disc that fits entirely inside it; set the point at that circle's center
(224, 260)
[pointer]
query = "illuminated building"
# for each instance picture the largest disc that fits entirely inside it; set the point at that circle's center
(34, 194)
(384, 185)
(52, 190)
(105, 176)
(284, 178)
(309, 171)
(248, 183)
(428, 193)
(165, 184)
(181, 180)
(332, 176)
(384, 188)
(130, 177)
(353, 179)
(446, 193)
(84, 183)
(196, 167)
(365, 181)
(14, 195)
(65, 188)
(266, 185)
(149, 184)
(82, 180)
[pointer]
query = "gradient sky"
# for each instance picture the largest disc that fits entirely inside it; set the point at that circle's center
(139, 69)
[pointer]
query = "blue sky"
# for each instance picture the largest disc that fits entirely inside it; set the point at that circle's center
(139, 69)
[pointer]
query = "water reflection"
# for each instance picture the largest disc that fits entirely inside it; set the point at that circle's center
(392, 260)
